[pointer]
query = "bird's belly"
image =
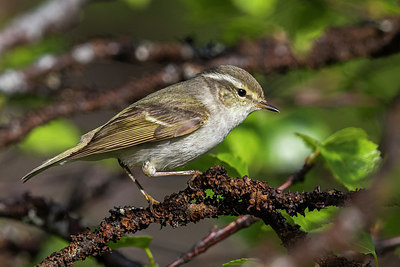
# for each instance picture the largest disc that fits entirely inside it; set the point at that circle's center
(177, 152)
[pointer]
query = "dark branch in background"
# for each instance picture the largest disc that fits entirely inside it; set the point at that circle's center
(24, 80)
(51, 16)
(375, 39)
(47, 215)
(19, 128)
(216, 236)
(265, 55)
(122, 49)
(240, 196)
(386, 245)
(54, 218)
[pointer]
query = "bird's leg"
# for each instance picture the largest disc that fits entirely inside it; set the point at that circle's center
(149, 198)
(150, 171)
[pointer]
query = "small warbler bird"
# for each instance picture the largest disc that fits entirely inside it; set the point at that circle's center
(171, 127)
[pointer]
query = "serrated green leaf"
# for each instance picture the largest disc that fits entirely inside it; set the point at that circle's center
(344, 135)
(142, 242)
(350, 156)
(365, 245)
(242, 261)
(315, 221)
(288, 218)
(308, 141)
(51, 138)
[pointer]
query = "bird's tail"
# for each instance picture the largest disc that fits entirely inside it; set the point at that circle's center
(57, 160)
(61, 158)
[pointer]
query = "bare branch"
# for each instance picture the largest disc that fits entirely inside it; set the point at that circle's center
(340, 44)
(51, 16)
(25, 80)
(386, 245)
(299, 176)
(266, 55)
(215, 237)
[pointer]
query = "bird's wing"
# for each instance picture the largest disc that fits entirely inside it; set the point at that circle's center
(140, 124)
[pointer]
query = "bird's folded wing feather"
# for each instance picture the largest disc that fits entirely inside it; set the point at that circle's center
(140, 124)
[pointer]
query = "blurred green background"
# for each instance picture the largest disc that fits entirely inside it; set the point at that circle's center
(316, 103)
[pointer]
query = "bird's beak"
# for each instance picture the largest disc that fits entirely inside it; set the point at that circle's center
(263, 104)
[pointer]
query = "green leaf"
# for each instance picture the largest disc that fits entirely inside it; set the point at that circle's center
(350, 156)
(131, 241)
(255, 7)
(235, 162)
(308, 141)
(243, 141)
(365, 245)
(242, 261)
(142, 242)
(51, 244)
(315, 221)
(51, 138)
(137, 4)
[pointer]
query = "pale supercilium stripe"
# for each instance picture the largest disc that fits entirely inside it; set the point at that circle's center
(224, 77)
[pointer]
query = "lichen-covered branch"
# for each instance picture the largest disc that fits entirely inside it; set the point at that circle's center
(233, 196)
(53, 218)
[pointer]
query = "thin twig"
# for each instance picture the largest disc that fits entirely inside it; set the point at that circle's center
(300, 175)
(215, 237)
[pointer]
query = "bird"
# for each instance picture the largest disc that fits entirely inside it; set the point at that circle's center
(171, 127)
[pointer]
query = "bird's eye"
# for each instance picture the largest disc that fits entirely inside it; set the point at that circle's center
(241, 92)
